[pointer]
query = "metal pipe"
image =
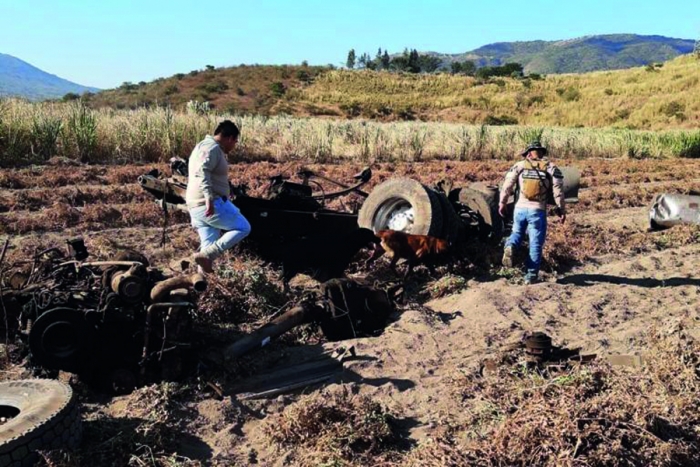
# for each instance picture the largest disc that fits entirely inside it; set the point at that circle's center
(102, 263)
(156, 306)
(163, 288)
(275, 328)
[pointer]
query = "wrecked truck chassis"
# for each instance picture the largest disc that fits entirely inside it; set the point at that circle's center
(293, 212)
(287, 217)
(117, 324)
(120, 324)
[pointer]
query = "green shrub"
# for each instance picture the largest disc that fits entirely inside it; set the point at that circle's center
(353, 109)
(278, 89)
(46, 129)
(214, 87)
(71, 96)
(170, 90)
(536, 99)
(622, 114)
(406, 113)
(128, 87)
(82, 130)
(673, 109)
(502, 120)
(303, 76)
(571, 94)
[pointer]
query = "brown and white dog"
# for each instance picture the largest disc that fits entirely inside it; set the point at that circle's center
(415, 249)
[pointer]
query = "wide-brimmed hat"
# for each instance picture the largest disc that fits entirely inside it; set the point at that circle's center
(534, 145)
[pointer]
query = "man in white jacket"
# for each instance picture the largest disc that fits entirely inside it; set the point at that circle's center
(219, 223)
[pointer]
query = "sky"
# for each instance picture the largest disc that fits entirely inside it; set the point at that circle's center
(104, 43)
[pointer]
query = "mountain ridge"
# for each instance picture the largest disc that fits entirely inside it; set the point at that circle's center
(577, 55)
(21, 79)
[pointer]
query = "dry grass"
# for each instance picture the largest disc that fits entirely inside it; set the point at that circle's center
(592, 415)
(575, 243)
(335, 428)
(149, 136)
(632, 98)
(148, 436)
(246, 292)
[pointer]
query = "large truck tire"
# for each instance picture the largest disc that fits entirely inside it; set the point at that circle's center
(452, 225)
(42, 414)
(483, 200)
(402, 204)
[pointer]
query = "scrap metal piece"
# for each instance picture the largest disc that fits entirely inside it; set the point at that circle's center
(78, 249)
(302, 314)
(539, 346)
(668, 210)
(288, 378)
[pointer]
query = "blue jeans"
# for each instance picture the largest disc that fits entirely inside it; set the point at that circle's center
(534, 222)
(222, 230)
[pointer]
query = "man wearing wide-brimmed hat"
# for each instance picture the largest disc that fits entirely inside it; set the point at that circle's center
(535, 178)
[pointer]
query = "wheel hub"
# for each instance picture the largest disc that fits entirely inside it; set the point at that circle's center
(395, 214)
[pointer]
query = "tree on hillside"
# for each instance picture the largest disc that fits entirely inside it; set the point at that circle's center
(428, 63)
(365, 61)
(468, 68)
(512, 69)
(386, 60)
(464, 68)
(71, 96)
(509, 69)
(399, 63)
(413, 62)
(378, 59)
(350, 63)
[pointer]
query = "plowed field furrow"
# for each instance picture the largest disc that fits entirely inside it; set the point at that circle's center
(687, 173)
(181, 239)
(34, 199)
(604, 198)
(52, 177)
(93, 217)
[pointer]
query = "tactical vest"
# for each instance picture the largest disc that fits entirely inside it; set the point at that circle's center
(535, 180)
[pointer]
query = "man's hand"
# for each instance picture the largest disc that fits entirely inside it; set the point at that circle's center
(562, 216)
(502, 210)
(210, 207)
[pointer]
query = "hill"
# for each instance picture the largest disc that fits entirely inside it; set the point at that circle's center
(584, 54)
(651, 97)
(19, 78)
(241, 89)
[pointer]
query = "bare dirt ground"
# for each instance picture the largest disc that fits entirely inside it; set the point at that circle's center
(607, 284)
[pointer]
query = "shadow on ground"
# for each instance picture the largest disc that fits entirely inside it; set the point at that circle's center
(587, 280)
